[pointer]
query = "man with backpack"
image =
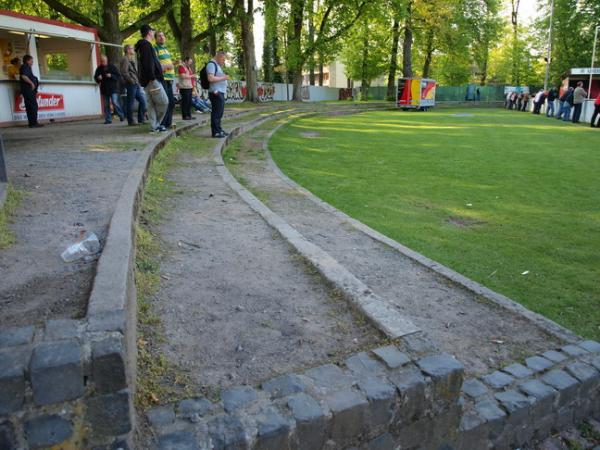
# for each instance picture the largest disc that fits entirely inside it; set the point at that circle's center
(214, 79)
(151, 76)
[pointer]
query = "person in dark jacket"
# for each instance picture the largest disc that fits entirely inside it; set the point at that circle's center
(108, 77)
(538, 101)
(552, 96)
(129, 72)
(151, 77)
(29, 85)
(567, 104)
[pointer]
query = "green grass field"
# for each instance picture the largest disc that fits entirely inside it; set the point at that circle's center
(508, 199)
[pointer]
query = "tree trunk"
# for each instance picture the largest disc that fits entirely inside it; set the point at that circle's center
(321, 73)
(428, 55)
(311, 40)
(268, 61)
(391, 85)
(111, 30)
(212, 37)
(484, 67)
(407, 44)
(295, 61)
(364, 85)
(515, 23)
(247, 19)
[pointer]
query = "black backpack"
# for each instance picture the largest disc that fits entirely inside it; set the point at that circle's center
(204, 75)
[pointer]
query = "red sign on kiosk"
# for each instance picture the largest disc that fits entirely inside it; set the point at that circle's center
(45, 100)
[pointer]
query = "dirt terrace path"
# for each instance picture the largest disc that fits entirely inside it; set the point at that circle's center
(237, 304)
(72, 174)
(480, 334)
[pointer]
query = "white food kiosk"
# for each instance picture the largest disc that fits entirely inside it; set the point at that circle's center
(65, 58)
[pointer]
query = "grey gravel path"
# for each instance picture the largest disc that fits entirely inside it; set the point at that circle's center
(480, 334)
(237, 305)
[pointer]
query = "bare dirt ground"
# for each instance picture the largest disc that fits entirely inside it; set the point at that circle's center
(481, 335)
(72, 174)
(237, 304)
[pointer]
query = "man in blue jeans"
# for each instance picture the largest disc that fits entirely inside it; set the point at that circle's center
(129, 72)
(108, 76)
(216, 93)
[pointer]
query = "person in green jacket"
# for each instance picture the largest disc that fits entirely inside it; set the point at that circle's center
(164, 57)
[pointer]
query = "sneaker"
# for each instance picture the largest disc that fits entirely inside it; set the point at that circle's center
(161, 128)
(106, 122)
(36, 125)
(122, 119)
(220, 135)
(226, 133)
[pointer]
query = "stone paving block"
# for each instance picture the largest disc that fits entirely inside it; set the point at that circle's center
(285, 385)
(497, 379)
(108, 321)
(238, 397)
(538, 363)
(474, 388)
(45, 431)
(391, 356)
(590, 346)
(544, 396)
(311, 421)
(411, 386)
(56, 372)
(587, 375)
(516, 404)
(494, 417)
(181, 440)
(554, 356)
(362, 364)
(109, 415)
(383, 442)
(595, 361)
(8, 439)
(273, 430)
(328, 378)
(518, 371)
(417, 435)
(447, 375)
(228, 432)
(381, 396)
(574, 350)
(194, 408)
(161, 416)
(11, 337)
(108, 365)
(348, 407)
(565, 384)
(58, 329)
(13, 362)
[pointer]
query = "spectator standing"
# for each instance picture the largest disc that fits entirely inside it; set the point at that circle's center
(108, 77)
(568, 105)
(525, 101)
(519, 101)
(478, 95)
(186, 75)
(129, 72)
(538, 101)
(596, 113)
(561, 104)
(150, 75)
(507, 100)
(29, 86)
(164, 57)
(513, 100)
(217, 91)
(13, 69)
(552, 96)
(579, 96)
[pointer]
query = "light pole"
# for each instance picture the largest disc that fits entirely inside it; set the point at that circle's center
(549, 50)
(593, 60)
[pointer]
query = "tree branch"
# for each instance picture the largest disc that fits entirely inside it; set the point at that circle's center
(71, 14)
(175, 28)
(150, 17)
(219, 25)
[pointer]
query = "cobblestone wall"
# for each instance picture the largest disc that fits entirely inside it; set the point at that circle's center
(384, 400)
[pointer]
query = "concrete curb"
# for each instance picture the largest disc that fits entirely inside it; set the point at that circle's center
(3, 194)
(504, 302)
(385, 317)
